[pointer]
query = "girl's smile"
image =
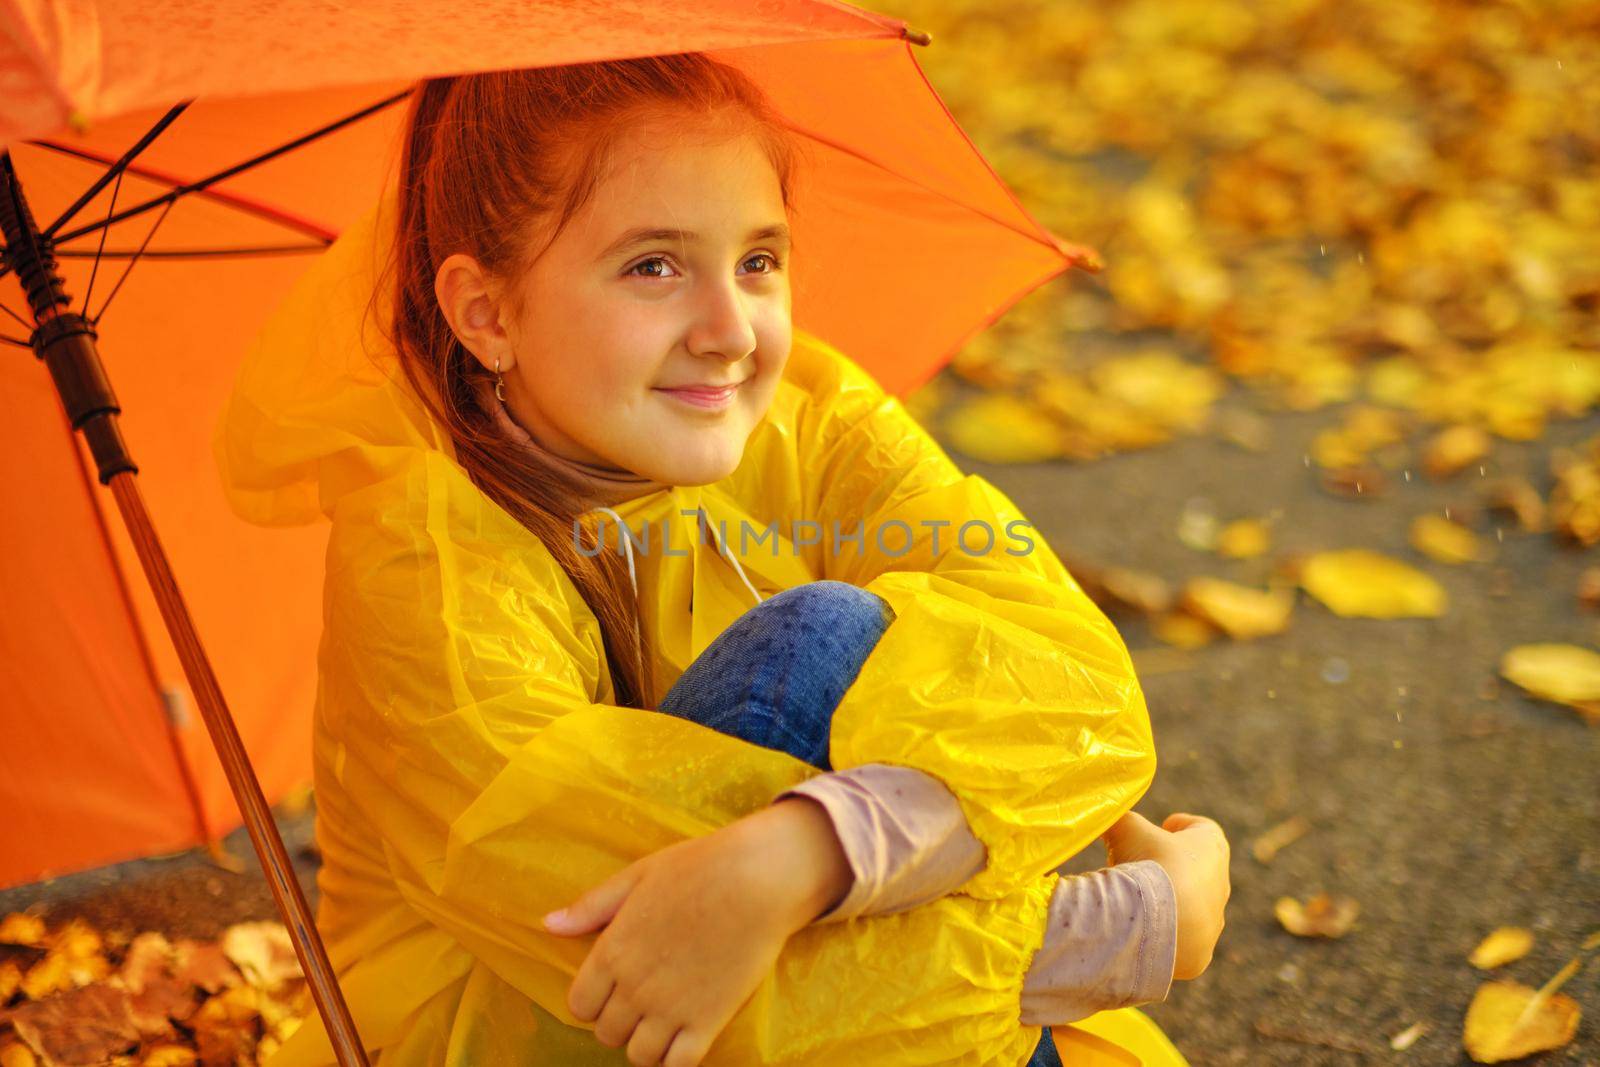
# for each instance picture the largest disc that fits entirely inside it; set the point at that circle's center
(705, 397)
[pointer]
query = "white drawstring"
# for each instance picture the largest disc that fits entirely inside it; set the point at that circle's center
(730, 557)
(626, 541)
(627, 549)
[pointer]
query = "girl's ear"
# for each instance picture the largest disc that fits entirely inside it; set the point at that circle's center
(469, 304)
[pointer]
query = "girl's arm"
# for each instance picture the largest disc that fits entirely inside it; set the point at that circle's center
(998, 677)
(1112, 936)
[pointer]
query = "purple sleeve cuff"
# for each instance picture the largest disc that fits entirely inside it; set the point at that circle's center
(1111, 942)
(903, 832)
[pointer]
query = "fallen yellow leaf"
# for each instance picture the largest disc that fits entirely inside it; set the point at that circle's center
(1519, 499)
(1182, 630)
(10, 979)
(1273, 841)
(1357, 582)
(1508, 1020)
(1321, 916)
(1237, 610)
(1454, 448)
(1244, 539)
(1565, 674)
(1445, 541)
(20, 928)
(1407, 1037)
(1504, 945)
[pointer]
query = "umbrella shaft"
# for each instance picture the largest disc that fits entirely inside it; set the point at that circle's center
(65, 341)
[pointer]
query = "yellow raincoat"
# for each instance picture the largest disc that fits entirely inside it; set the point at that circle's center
(472, 774)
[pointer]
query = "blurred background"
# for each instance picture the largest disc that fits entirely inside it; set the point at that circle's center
(1320, 438)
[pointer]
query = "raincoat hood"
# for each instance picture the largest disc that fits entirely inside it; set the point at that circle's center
(473, 771)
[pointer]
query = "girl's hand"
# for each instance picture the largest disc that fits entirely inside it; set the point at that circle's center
(1194, 852)
(692, 930)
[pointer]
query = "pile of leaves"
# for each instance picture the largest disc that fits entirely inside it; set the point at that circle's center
(1326, 201)
(74, 996)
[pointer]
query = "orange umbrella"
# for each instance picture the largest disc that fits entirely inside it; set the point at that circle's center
(212, 149)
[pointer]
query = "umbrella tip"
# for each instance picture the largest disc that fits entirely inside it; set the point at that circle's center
(921, 37)
(1080, 256)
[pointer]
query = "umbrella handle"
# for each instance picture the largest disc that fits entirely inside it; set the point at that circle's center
(66, 343)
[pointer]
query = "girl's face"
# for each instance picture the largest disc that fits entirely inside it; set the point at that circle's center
(654, 329)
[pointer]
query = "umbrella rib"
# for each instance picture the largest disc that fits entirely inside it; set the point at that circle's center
(15, 341)
(233, 200)
(94, 270)
(204, 183)
(117, 168)
(195, 253)
(129, 268)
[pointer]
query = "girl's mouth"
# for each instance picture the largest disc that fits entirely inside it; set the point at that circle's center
(705, 397)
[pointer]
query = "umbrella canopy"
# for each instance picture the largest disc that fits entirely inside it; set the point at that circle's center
(910, 243)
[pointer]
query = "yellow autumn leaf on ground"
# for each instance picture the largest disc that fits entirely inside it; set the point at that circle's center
(1244, 539)
(1407, 1037)
(168, 1056)
(1360, 583)
(10, 979)
(1182, 630)
(1269, 844)
(1504, 945)
(1508, 1020)
(1446, 541)
(1321, 916)
(1453, 449)
(1160, 385)
(262, 951)
(20, 928)
(1575, 502)
(1519, 499)
(1565, 674)
(1363, 430)
(999, 428)
(1238, 610)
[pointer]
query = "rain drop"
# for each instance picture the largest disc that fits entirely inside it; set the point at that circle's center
(1335, 671)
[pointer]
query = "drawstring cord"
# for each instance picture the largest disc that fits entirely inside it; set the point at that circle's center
(626, 541)
(627, 549)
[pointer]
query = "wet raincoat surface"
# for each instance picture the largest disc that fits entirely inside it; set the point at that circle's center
(472, 773)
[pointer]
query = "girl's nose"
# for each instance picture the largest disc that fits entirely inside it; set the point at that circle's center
(722, 324)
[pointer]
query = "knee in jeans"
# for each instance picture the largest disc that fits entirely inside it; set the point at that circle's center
(847, 605)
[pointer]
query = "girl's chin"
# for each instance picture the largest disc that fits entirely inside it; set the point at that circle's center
(682, 459)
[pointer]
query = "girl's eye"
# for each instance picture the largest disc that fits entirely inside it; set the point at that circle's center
(769, 258)
(647, 262)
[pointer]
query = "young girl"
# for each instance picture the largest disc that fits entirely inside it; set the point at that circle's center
(575, 735)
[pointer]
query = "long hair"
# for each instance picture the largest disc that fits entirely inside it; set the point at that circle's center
(488, 161)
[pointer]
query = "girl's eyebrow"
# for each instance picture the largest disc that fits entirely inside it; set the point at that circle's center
(642, 234)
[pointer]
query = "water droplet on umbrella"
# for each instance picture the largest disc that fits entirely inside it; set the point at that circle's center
(1335, 671)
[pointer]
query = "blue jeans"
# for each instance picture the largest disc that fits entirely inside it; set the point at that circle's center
(776, 674)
